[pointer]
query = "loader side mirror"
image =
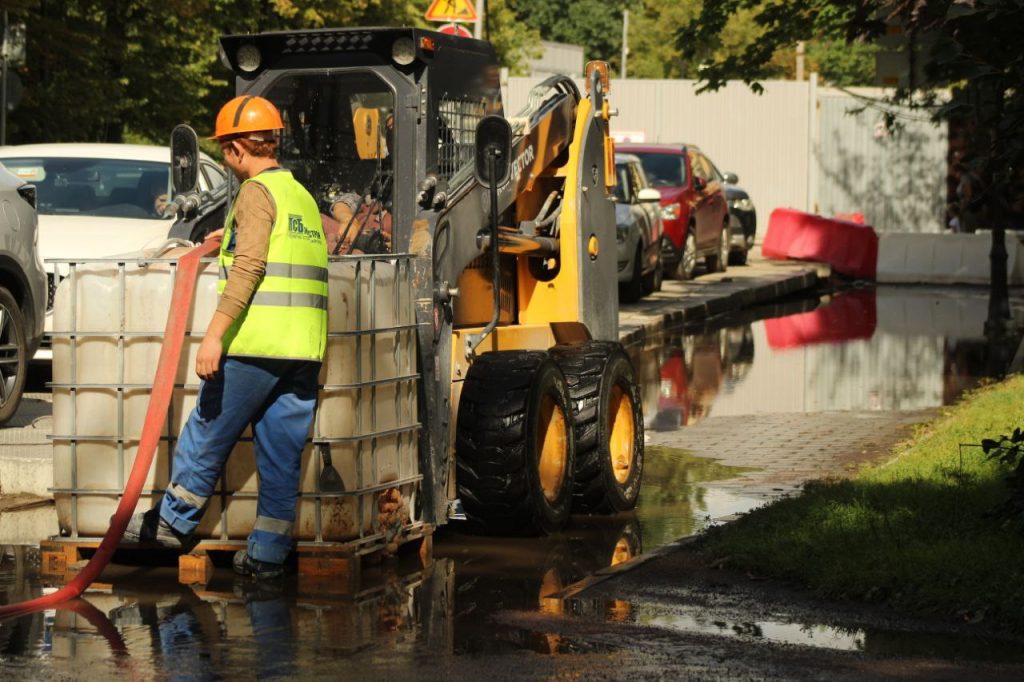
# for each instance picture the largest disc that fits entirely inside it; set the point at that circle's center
(493, 151)
(184, 159)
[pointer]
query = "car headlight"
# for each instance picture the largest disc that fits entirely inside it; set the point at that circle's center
(671, 212)
(744, 204)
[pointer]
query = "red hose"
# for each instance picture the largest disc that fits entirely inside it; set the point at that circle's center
(156, 415)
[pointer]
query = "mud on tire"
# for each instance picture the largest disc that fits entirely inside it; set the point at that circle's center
(609, 421)
(514, 446)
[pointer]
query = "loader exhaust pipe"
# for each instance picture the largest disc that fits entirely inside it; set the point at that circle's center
(493, 153)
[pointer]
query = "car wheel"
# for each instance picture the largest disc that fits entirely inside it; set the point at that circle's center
(652, 280)
(13, 356)
(631, 291)
(688, 262)
(719, 262)
(738, 257)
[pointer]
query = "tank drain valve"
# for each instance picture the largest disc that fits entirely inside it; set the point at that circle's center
(456, 511)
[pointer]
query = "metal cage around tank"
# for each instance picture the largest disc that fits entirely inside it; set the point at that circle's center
(105, 354)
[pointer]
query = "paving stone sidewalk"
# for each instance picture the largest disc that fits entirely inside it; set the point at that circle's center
(790, 449)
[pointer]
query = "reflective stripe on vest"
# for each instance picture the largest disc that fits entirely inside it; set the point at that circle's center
(287, 316)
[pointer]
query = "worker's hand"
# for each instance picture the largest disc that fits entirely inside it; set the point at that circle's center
(216, 234)
(208, 358)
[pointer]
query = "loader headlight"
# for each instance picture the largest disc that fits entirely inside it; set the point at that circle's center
(403, 51)
(248, 58)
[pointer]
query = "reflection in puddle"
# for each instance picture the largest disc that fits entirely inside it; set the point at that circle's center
(822, 636)
(875, 641)
(890, 348)
(674, 505)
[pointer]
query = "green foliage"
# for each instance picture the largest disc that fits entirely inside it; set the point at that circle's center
(110, 71)
(513, 40)
(914, 532)
(841, 63)
(973, 48)
(594, 24)
(1009, 451)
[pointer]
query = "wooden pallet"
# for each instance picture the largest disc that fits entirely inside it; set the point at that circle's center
(338, 563)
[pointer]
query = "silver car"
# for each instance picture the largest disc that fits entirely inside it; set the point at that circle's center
(22, 288)
(638, 230)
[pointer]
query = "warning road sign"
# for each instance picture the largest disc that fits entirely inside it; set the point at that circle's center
(451, 10)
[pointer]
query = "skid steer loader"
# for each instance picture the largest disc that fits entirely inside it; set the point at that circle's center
(528, 406)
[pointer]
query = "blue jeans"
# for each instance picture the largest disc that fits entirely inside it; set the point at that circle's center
(278, 397)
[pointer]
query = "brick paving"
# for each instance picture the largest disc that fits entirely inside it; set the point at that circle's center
(790, 449)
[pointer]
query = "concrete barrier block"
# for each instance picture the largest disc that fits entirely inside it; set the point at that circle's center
(28, 471)
(944, 258)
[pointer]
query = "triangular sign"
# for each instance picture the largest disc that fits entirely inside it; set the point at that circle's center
(451, 10)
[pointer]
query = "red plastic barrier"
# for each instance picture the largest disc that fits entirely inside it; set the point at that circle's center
(849, 316)
(851, 218)
(850, 249)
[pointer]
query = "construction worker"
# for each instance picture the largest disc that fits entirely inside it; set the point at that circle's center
(261, 354)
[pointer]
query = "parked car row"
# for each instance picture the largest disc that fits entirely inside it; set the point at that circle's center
(673, 207)
(703, 215)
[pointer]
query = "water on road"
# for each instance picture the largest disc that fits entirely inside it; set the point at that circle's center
(863, 350)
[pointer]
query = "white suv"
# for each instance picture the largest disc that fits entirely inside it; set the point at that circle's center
(98, 200)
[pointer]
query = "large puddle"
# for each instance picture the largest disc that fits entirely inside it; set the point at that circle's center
(899, 349)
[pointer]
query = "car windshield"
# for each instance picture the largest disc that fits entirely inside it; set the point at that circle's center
(621, 183)
(110, 188)
(663, 170)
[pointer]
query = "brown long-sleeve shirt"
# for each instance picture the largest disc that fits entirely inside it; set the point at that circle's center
(255, 214)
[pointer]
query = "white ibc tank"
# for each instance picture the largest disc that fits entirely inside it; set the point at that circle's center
(109, 318)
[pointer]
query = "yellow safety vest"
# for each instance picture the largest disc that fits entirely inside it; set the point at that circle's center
(287, 316)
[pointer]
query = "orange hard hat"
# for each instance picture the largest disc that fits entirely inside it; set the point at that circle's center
(247, 114)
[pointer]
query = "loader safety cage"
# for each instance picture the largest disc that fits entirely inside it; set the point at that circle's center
(363, 339)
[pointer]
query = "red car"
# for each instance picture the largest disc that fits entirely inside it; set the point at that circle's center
(693, 206)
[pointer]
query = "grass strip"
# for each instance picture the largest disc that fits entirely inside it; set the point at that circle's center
(915, 532)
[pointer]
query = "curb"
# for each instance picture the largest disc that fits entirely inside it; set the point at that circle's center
(737, 300)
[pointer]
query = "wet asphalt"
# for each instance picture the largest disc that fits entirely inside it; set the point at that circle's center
(848, 374)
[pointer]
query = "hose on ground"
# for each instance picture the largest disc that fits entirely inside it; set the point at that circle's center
(156, 415)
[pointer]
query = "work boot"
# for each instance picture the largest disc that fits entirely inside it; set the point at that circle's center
(148, 527)
(261, 570)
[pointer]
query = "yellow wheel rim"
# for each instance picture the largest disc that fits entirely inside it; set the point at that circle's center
(553, 445)
(623, 434)
(622, 552)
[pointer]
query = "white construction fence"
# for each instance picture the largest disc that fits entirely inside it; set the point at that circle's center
(796, 145)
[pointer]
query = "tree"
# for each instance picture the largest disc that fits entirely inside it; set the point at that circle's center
(102, 70)
(594, 24)
(971, 47)
(514, 41)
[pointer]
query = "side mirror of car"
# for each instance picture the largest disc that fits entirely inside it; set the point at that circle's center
(699, 184)
(184, 159)
(731, 178)
(648, 195)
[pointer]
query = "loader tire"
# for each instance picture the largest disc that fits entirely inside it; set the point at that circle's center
(515, 447)
(608, 414)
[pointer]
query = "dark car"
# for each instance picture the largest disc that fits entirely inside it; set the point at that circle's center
(742, 220)
(693, 208)
(637, 230)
